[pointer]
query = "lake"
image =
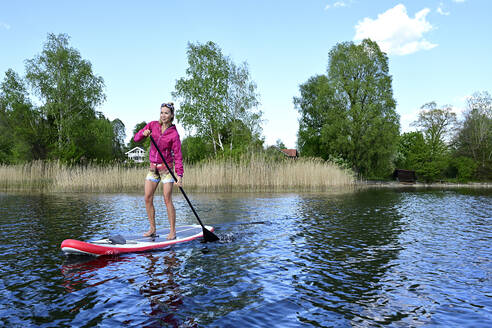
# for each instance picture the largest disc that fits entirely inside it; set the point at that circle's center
(370, 258)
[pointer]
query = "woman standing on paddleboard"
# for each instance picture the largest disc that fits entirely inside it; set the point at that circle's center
(167, 139)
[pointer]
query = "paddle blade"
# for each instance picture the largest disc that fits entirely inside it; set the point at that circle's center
(209, 236)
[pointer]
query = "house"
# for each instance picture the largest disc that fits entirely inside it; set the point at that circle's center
(291, 153)
(137, 154)
(405, 176)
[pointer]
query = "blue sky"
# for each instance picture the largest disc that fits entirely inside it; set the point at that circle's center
(438, 50)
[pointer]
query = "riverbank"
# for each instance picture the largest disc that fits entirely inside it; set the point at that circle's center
(418, 185)
(254, 174)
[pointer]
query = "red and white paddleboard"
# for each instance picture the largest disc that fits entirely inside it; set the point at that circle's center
(130, 244)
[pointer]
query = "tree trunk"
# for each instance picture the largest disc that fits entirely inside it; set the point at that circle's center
(213, 141)
(220, 142)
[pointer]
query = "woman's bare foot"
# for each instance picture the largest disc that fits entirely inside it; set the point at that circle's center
(171, 236)
(150, 233)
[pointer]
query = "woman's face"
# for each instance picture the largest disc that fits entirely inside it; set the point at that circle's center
(166, 115)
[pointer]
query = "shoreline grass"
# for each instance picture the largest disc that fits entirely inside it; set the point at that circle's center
(251, 174)
(254, 173)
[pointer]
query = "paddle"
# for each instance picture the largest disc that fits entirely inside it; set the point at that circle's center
(208, 236)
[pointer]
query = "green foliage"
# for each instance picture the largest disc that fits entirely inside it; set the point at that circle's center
(437, 124)
(145, 144)
(462, 168)
(239, 138)
(100, 139)
(11, 97)
(69, 92)
(314, 106)
(427, 151)
(474, 138)
(412, 149)
(431, 171)
(416, 153)
(66, 125)
(350, 112)
(217, 98)
(29, 134)
(118, 139)
(196, 149)
(23, 130)
(340, 162)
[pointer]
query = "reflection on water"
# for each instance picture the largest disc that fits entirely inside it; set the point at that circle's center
(155, 278)
(364, 259)
(349, 245)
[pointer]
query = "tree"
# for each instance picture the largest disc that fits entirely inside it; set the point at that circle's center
(411, 149)
(12, 96)
(415, 153)
(430, 155)
(69, 92)
(215, 94)
(438, 125)
(145, 144)
(104, 139)
(119, 136)
(243, 123)
(279, 144)
(350, 113)
(474, 138)
(236, 132)
(23, 131)
(463, 168)
(196, 149)
(315, 107)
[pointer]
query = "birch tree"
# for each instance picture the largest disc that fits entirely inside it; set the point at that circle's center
(68, 89)
(216, 97)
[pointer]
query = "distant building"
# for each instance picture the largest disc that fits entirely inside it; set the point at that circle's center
(291, 153)
(137, 154)
(405, 176)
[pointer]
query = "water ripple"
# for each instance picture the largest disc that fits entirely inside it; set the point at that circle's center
(365, 259)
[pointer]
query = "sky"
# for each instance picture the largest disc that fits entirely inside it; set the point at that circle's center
(438, 50)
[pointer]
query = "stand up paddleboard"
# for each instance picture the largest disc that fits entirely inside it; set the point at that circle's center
(130, 244)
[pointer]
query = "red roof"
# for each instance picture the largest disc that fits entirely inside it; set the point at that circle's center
(289, 152)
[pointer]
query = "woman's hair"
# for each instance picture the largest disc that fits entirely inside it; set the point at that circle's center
(170, 106)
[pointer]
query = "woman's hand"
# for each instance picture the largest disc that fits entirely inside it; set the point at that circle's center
(146, 133)
(179, 183)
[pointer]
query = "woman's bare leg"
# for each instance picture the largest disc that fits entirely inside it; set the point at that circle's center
(150, 187)
(171, 211)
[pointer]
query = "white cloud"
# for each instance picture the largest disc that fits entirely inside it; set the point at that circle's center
(459, 1)
(4, 26)
(440, 10)
(337, 4)
(395, 32)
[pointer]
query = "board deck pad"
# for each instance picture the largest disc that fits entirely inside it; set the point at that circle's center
(161, 235)
(132, 243)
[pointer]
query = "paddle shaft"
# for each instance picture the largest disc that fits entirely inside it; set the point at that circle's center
(207, 233)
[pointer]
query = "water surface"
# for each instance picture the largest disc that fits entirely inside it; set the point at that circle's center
(372, 258)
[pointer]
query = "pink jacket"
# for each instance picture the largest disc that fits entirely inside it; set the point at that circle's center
(168, 142)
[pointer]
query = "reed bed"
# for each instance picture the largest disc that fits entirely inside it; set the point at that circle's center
(260, 174)
(253, 173)
(58, 177)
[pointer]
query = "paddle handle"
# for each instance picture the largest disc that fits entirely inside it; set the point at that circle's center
(175, 179)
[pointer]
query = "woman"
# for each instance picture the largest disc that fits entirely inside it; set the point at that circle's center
(167, 139)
